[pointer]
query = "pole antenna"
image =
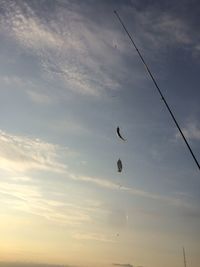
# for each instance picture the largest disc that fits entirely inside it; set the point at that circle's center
(158, 89)
(184, 257)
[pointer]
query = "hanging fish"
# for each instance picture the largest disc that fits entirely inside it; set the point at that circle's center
(119, 135)
(119, 165)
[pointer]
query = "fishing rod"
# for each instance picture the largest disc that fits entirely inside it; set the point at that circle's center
(158, 89)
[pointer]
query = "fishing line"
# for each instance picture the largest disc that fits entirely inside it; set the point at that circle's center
(184, 257)
(158, 89)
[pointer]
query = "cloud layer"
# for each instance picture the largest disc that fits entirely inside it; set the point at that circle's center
(20, 155)
(23, 154)
(68, 48)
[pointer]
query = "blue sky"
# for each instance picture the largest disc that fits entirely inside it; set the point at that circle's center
(69, 76)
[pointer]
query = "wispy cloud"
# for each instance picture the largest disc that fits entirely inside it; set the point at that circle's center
(65, 51)
(125, 265)
(179, 34)
(191, 131)
(39, 98)
(162, 29)
(29, 198)
(84, 57)
(37, 95)
(21, 154)
(16, 80)
(93, 236)
(174, 201)
(26, 26)
(22, 191)
(157, 29)
(115, 186)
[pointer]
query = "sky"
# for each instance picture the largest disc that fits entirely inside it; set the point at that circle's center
(69, 77)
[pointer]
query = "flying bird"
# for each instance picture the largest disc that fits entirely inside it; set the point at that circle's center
(119, 134)
(119, 165)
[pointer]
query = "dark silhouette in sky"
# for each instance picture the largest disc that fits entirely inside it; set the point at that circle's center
(119, 134)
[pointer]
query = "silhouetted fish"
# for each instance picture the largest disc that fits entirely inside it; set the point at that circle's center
(119, 165)
(118, 133)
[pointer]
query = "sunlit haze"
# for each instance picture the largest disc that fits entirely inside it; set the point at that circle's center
(69, 76)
